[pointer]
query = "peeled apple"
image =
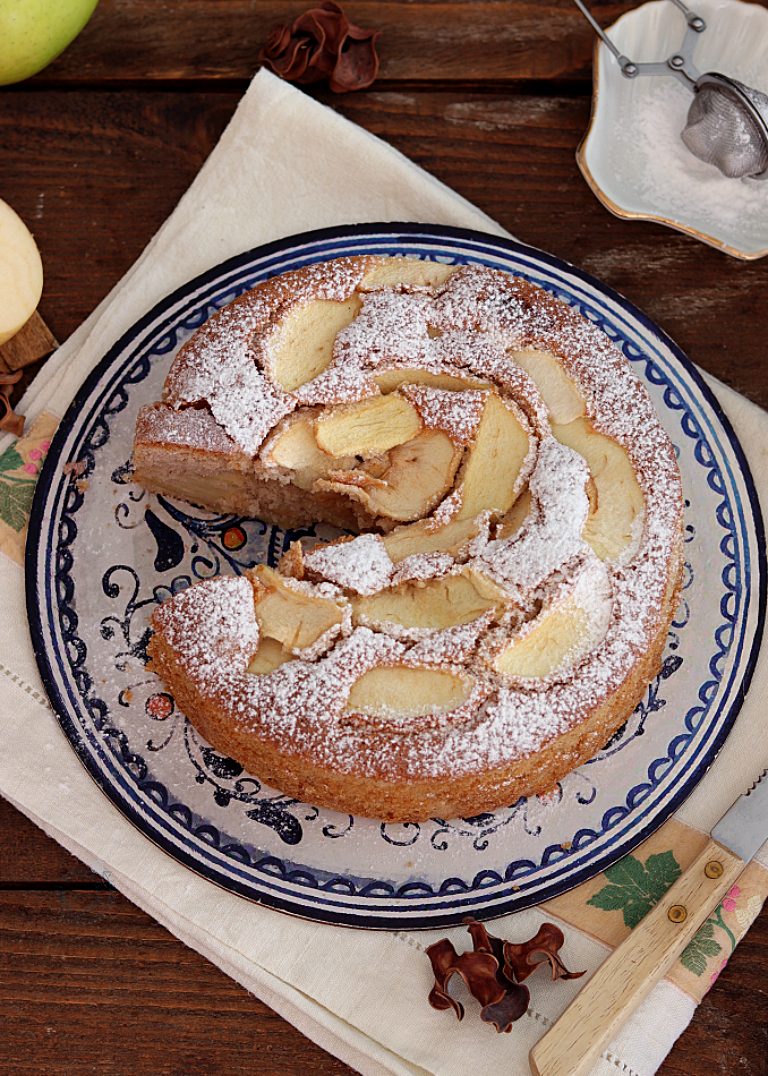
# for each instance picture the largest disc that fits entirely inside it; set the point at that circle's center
(21, 273)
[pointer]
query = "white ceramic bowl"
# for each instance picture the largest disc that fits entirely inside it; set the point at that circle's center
(632, 155)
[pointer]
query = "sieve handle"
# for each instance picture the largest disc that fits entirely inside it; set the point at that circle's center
(624, 62)
(679, 64)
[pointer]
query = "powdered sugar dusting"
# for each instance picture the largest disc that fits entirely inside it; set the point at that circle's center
(456, 413)
(390, 326)
(160, 424)
(212, 628)
(452, 646)
(466, 327)
(421, 567)
(362, 565)
(220, 365)
(337, 384)
(552, 537)
(248, 406)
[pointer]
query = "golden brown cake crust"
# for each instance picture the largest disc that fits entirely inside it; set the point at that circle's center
(507, 616)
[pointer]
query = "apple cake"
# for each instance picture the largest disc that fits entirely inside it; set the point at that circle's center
(514, 549)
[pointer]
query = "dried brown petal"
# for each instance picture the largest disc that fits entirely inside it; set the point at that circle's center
(478, 970)
(327, 25)
(292, 64)
(519, 962)
(10, 421)
(320, 65)
(511, 1007)
(318, 27)
(514, 1003)
(494, 970)
(357, 65)
(323, 43)
(277, 42)
(482, 941)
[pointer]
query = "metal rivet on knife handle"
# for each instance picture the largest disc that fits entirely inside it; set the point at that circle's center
(627, 975)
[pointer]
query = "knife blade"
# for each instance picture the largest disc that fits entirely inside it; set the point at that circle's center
(627, 976)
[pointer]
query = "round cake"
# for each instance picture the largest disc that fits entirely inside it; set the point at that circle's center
(513, 554)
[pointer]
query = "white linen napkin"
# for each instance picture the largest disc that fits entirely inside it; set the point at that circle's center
(287, 164)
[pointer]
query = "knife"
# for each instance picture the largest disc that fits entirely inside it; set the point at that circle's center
(624, 980)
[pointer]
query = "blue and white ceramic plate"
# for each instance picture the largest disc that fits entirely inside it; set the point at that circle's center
(102, 554)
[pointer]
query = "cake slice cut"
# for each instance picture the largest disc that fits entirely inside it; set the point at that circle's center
(514, 554)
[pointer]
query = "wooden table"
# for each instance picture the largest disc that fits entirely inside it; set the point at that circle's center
(493, 99)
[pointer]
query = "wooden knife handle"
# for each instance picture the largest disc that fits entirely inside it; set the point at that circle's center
(625, 979)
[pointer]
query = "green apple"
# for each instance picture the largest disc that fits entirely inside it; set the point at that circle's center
(34, 32)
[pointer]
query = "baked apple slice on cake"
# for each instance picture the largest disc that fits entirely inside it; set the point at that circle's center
(514, 554)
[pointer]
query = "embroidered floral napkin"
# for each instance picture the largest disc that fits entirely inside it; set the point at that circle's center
(286, 164)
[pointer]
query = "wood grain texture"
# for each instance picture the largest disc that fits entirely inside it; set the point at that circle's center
(493, 99)
(220, 40)
(626, 977)
(94, 175)
(88, 983)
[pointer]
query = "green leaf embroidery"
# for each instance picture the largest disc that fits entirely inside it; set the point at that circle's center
(698, 951)
(10, 460)
(16, 502)
(636, 887)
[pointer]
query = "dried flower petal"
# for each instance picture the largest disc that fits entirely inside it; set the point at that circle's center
(326, 24)
(493, 972)
(357, 65)
(277, 42)
(482, 941)
(323, 43)
(10, 421)
(478, 970)
(321, 30)
(512, 1006)
(514, 1002)
(518, 962)
(293, 62)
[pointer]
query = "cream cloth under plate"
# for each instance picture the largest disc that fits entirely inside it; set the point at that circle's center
(284, 165)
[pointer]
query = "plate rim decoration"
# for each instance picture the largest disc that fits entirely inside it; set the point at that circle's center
(290, 885)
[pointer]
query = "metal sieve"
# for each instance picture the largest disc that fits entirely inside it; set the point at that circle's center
(727, 122)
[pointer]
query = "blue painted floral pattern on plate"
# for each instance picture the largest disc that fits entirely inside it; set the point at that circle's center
(104, 553)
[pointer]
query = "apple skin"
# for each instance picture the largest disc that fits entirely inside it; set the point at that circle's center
(34, 32)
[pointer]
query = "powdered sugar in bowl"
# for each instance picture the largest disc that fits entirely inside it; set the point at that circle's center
(633, 156)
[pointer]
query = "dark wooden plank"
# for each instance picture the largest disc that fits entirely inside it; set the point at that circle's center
(95, 175)
(89, 983)
(29, 858)
(217, 40)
